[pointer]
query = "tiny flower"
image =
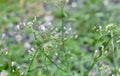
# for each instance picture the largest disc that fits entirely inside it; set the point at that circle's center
(32, 49)
(6, 53)
(100, 28)
(12, 63)
(119, 70)
(42, 27)
(48, 23)
(56, 29)
(64, 28)
(29, 24)
(96, 54)
(24, 24)
(3, 73)
(18, 38)
(22, 74)
(106, 2)
(70, 29)
(105, 69)
(76, 36)
(14, 33)
(35, 18)
(29, 51)
(100, 63)
(92, 74)
(109, 27)
(48, 18)
(17, 27)
(18, 67)
(74, 4)
(65, 38)
(3, 35)
(27, 45)
(105, 52)
(13, 70)
(6, 49)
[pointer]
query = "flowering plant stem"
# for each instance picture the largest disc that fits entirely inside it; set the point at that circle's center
(37, 49)
(97, 59)
(113, 52)
(62, 25)
(32, 57)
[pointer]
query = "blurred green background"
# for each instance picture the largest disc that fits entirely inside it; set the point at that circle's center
(80, 15)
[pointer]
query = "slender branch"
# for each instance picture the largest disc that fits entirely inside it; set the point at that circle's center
(62, 25)
(28, 69)
(113, 51)
(97, 59)
(87, 73)
(31, 62)
(47, 67)
(52, 61)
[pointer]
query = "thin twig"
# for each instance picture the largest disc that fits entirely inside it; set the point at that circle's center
(113, 51)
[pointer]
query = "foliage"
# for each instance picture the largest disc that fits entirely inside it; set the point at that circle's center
(59, 38)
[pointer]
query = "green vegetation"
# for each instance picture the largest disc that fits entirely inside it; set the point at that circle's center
(59, 38)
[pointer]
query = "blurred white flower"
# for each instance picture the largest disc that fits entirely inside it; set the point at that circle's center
(12, 63)
(17, 27)
(14, 33)
(48, 24)
(92, 74)
(110, 27)
(27, 45)
(3, 35)
(6, 48)
(96, 53)
(29, 24)
(32, 49)
(70, 29)
(18, 38)
(42, 27)
(67, 1)
(76, 36)
(106, 2)
(3, 73)
(10, 25)
(48, 18)
(74, 4)
(22, 74)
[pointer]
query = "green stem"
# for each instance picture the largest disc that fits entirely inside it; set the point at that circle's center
(47, 67)
(97, 59)
(28, 69)
(62, 25)
(31, 62)
(52, 61)
(113, 51)
(88, 71)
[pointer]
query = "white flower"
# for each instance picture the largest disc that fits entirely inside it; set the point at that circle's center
(32, 49)
(110, 27)
(106, 2)
(18, 38)
(3, 73)
(74, 4)
(48, 18)
(17, 27)
(12, 63)
(42, 27)
(3, 35)
(29, 24)
(27, 45)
